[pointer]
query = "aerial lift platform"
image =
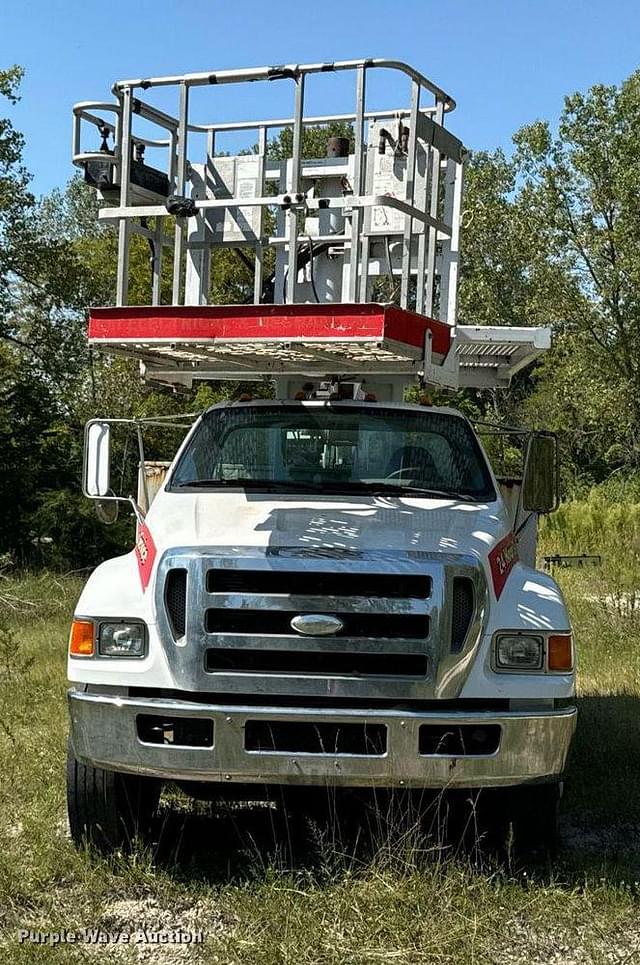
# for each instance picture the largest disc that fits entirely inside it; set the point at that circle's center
(352, 257)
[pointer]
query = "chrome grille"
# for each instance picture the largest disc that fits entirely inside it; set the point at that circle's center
(327, 664)
(396, 608)
(383, 626)
(462, 607)
(305, 583)
(176, 600)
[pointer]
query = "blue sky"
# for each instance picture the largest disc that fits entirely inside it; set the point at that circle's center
(507, 62)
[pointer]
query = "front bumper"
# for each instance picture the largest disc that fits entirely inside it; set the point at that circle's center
(532, 747)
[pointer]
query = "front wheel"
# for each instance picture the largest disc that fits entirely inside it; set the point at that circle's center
(108, 810)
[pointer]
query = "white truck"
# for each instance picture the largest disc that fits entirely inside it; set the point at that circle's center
(329, 587)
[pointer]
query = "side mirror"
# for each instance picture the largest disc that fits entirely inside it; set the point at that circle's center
(97, 460)
(96, 473)
(540, 483)
(108, 510)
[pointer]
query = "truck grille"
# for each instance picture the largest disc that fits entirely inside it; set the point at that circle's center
(175, 597)
(463, 608)
(316, 662)
(390, 626)
(226, 614)
(310, 583)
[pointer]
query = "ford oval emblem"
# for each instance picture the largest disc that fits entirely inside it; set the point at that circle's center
(317, 624)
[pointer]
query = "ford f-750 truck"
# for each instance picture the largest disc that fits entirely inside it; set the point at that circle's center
(330, 587)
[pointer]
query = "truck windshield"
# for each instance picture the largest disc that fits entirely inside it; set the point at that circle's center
(337, 449)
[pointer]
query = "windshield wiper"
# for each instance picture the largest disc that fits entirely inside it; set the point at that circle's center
(265, 485)
(335, 487)
(392, 489)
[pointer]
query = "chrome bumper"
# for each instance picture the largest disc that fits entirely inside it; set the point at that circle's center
(533, 746)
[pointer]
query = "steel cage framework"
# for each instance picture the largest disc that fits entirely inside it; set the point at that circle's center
(424, 214)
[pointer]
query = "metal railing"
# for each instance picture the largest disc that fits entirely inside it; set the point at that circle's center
(387, 207)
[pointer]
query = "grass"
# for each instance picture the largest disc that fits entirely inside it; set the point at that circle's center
(411, 903)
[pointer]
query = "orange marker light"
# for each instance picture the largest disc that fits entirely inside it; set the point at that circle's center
(82, 639)
(560, 652)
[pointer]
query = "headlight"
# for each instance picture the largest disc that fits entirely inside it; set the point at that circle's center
(519, 651)
(121, 640)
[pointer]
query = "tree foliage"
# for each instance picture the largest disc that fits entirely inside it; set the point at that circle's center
(581, 191)
(550, 238)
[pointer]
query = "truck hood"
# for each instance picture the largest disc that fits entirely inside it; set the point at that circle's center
(361, 523)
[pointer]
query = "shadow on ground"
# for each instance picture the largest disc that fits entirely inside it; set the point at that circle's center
(333, 830)
(600, 816)
(322, 830)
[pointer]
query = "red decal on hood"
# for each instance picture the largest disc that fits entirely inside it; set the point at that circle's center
(145, 554)
(502, 558)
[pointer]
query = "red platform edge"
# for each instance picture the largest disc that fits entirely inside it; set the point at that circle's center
(277, 322)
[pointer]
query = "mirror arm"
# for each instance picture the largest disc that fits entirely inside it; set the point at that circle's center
(518, 521)
(137, 511)
(145, 489)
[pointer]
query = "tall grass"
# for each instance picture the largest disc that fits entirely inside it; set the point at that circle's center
(594, 525)
(603, 599)
(602, 803)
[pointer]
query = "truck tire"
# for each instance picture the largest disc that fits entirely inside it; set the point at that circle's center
(108, 810)
(534, 811)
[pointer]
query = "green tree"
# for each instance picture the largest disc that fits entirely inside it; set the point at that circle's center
(580, 192)
(16, 201)
(56, 260)
(38, 272)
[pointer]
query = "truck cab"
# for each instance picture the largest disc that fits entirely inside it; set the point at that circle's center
(329, 587)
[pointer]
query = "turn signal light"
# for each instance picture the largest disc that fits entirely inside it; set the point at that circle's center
(82, 639)
(560, 652)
